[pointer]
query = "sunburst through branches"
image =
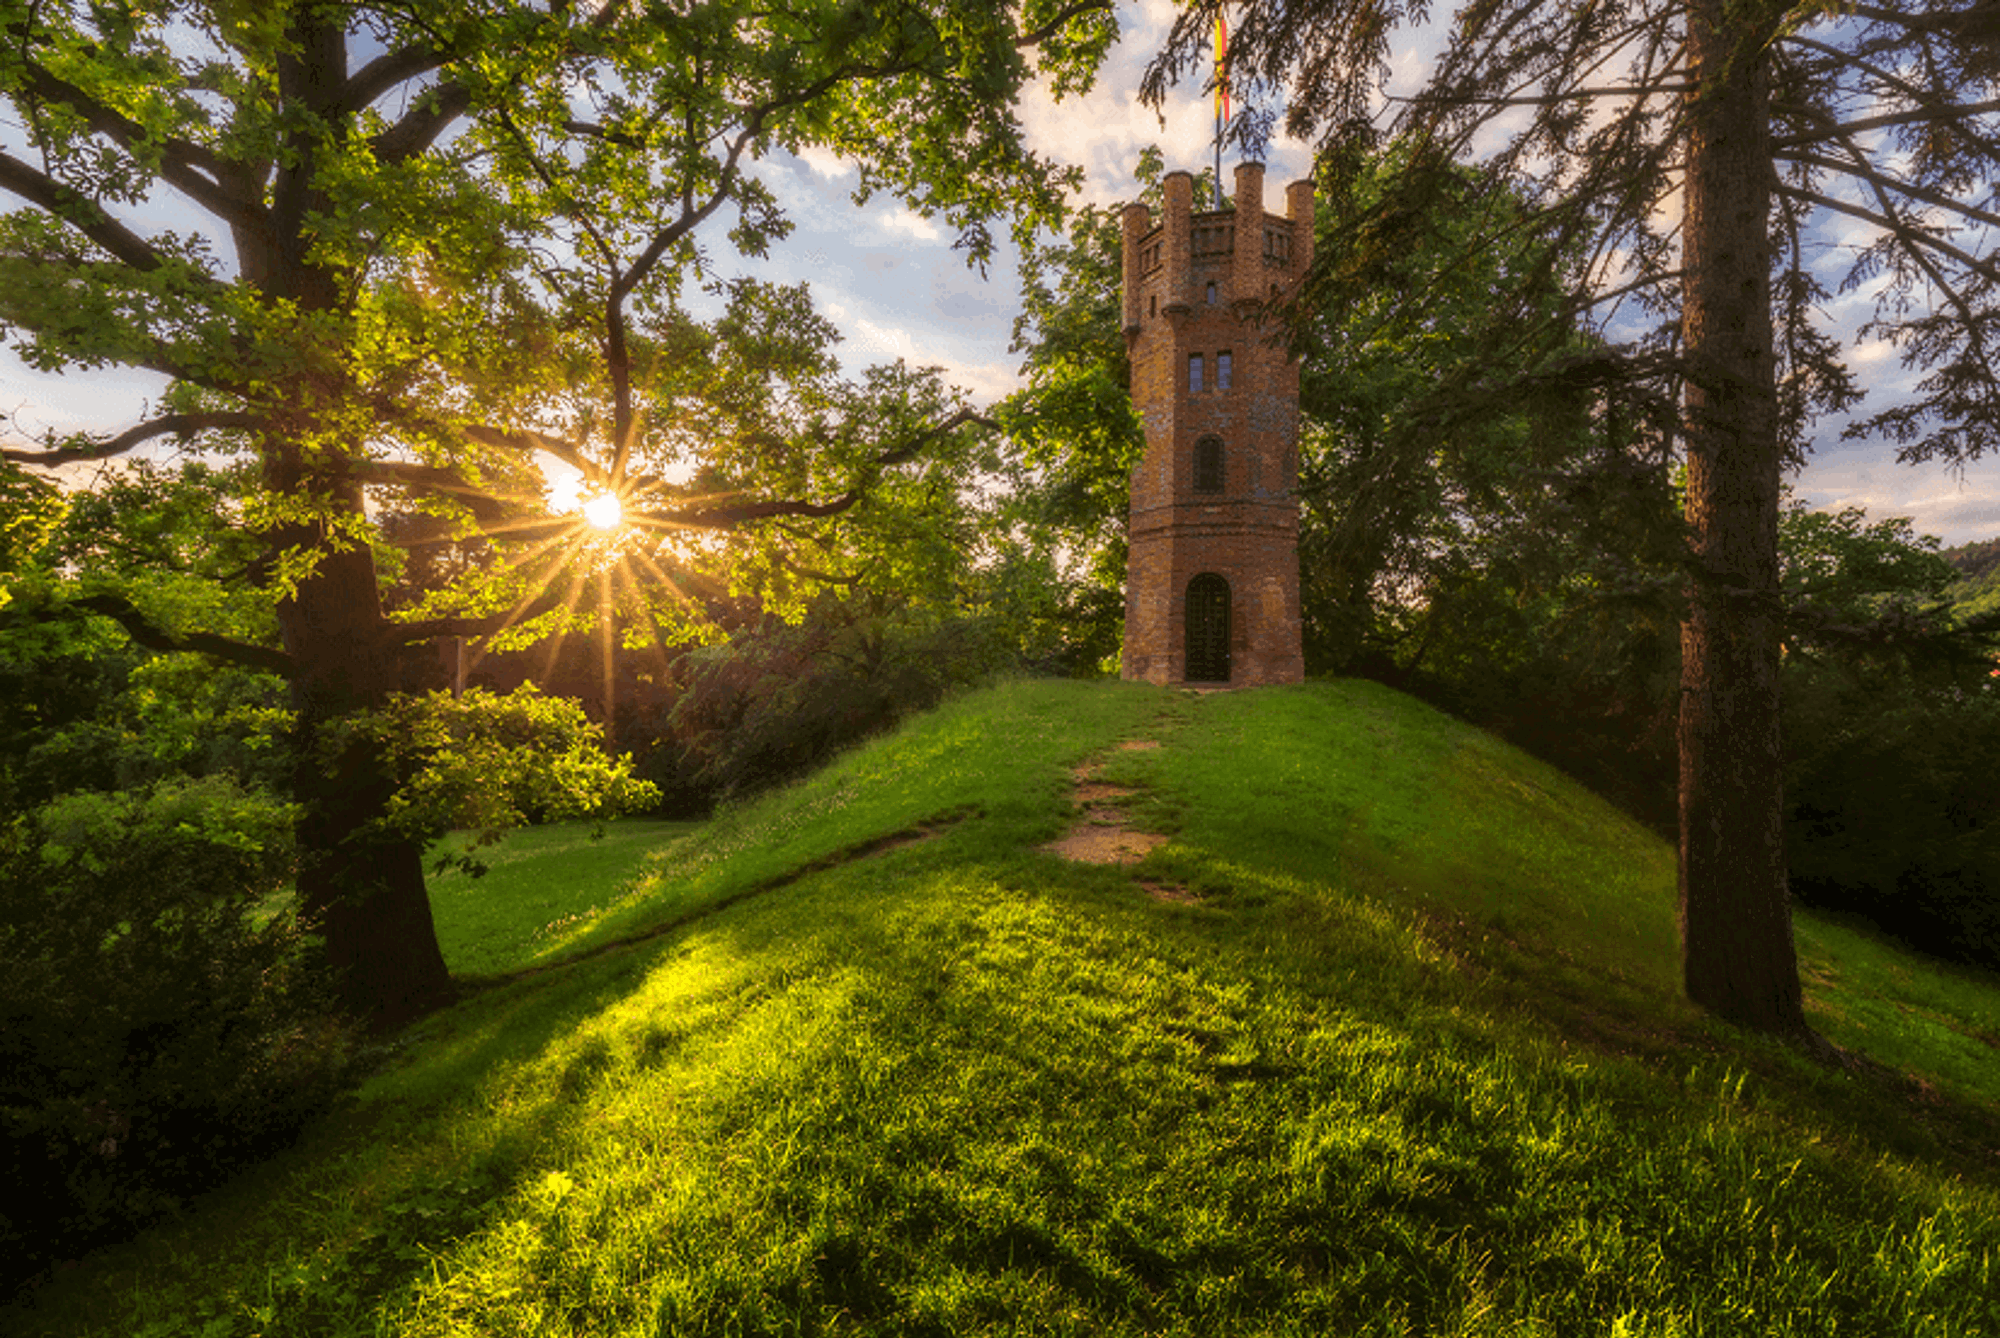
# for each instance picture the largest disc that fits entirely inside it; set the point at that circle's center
(596, 564)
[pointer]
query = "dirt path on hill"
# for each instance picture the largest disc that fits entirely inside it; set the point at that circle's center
(1103, 831)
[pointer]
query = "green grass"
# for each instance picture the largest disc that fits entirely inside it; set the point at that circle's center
(1413, 1063)
(539, 885)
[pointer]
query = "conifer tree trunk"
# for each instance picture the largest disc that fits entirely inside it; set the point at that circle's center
(1736, 938)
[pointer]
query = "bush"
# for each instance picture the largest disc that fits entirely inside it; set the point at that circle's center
(1895, 818)
(780, 700)
(490, 761)
(162, 1024)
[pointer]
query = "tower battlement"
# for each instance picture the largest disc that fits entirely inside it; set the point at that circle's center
(1212, 582)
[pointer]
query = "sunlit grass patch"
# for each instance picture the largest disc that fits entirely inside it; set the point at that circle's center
(536, 886)
(1382, 1074)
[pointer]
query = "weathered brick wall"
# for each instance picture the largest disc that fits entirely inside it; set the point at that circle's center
(1194, 285)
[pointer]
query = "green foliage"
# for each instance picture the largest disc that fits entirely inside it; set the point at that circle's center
(430, 246)
(778, 700)
(1853, 585)
(489, 761)
(162, 1022)
(1977, 593)
(1892, 723)
(1374, 1080)
(1892, 816)
(30, 510)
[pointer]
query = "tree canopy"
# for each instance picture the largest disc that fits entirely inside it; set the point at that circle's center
(430, 247)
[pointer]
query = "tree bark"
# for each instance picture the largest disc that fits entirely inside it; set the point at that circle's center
(1735, 913)
(360, 884)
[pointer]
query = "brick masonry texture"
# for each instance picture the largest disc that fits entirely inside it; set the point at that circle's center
(1196, 284)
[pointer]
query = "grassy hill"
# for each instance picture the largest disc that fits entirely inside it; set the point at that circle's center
(1385, 1040)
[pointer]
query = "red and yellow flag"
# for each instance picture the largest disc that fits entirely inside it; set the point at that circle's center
(1222, 108)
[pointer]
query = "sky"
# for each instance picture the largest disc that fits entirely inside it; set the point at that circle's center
(895, 286)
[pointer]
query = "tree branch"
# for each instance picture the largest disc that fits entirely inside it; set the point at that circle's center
(729, 517)
(79, 211)
(487, 508)
(1862, 171)
(1059, 22)
(1904, 232)
(154, 637)
(431, 629)
(1546, 99)
(423, 123)
(174, 424)
(182, 161)
(385, 72)
(523, 440)
(1941, 112)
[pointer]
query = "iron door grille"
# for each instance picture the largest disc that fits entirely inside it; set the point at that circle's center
(1208, 629)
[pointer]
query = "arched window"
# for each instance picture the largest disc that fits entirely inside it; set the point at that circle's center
(1208, 475)
(1207, 630)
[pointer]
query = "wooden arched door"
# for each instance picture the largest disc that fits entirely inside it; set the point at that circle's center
(1207, 629)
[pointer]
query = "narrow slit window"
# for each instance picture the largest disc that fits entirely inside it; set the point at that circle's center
(1194, 373)
(1222, 368)
(1211, 295)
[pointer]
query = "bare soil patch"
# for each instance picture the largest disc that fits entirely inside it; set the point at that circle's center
(1102, 834)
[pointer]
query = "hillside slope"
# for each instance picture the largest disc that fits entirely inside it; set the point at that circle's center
(1402, 1053)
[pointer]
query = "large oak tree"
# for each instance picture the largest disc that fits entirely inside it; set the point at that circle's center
(417, 244)
(1690, 159)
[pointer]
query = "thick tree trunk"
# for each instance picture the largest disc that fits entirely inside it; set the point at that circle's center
(1736, 931)
(361, 885)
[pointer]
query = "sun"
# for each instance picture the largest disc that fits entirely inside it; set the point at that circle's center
(604, 511)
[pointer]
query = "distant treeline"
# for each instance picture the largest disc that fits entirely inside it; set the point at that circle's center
(1975, 560)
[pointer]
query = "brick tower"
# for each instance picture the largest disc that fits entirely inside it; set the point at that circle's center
(1212, 581)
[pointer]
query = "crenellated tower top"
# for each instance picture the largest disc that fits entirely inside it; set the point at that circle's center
(1169, 265)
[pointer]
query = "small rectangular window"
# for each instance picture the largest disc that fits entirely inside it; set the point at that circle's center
(1222, 361)
(1194, 373)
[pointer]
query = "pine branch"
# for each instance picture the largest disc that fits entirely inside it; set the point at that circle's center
(1911, 236)
(1862, 171)
(1934, 113)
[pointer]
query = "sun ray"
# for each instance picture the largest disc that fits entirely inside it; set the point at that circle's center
(661, 573)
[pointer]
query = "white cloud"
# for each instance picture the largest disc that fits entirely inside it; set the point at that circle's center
(106, 400)
(826, 163)
(1958, 506)
(913, 224)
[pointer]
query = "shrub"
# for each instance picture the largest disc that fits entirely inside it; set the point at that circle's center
(1895, 818)
(161, 1022)
(780, 700)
